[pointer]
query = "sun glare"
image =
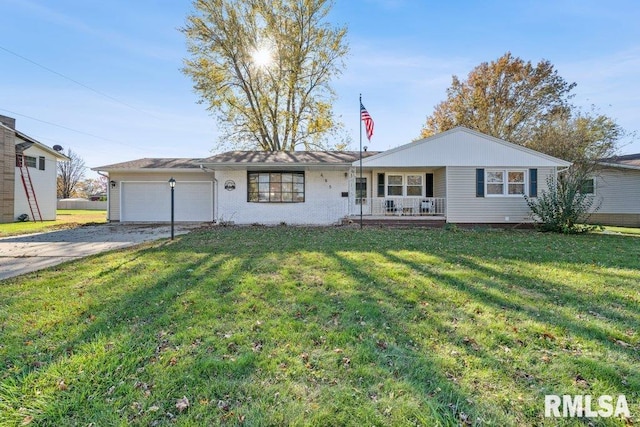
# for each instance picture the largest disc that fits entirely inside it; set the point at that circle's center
(262, 57)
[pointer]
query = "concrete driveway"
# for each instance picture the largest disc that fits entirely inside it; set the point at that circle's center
(32, 252)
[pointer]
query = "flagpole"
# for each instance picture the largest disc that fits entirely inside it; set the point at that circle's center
(360, 118)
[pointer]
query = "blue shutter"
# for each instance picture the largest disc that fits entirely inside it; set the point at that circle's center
(479, 182)
(428, 185)
(533, 182)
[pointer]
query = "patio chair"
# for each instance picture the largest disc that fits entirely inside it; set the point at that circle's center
(426, 207)
(390, 207)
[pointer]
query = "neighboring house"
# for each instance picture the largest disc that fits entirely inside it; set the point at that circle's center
(25, 190)
(616, 187)
(458, 176)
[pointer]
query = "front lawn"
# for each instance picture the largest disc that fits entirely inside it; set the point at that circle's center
(325, 326)
(65, 218)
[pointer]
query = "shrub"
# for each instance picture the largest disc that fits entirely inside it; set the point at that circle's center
(563, 207)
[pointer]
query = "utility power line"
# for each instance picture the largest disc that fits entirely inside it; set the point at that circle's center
(75, 81)
(65, 127)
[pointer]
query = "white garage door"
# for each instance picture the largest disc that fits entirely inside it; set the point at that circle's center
(151, 201)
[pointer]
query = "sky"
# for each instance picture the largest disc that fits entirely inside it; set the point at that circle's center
(103, 78)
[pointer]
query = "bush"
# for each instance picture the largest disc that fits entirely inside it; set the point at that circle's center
(563, 207)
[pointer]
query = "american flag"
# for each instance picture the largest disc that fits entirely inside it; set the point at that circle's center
(368, 121)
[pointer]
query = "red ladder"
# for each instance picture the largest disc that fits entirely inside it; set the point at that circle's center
(28, 188)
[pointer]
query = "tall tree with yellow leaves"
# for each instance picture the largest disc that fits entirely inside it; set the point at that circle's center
(263, 69)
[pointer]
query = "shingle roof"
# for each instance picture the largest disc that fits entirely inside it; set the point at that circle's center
(284, 157)
(626, 160)
(243, 157)
(151, 163)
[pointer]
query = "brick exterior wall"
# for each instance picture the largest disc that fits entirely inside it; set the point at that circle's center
(7, 174)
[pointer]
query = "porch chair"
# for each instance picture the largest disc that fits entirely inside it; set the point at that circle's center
(390, 207)
(426, 207)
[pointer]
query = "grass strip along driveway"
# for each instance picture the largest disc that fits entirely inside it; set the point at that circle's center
(325, 326)
(65, 218)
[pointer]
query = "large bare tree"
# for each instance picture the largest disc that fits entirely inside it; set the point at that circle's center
(70, 173)
(263, 68)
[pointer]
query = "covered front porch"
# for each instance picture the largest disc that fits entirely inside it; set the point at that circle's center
(393, 193)
(407, 206)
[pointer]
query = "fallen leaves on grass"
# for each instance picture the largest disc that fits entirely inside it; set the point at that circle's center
(182, 404)
(224, 405)
(581, 381)
(549, 336)
(621, 343)
(471, 343)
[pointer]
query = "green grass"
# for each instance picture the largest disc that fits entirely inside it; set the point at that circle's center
(65, 218)
(326, 326)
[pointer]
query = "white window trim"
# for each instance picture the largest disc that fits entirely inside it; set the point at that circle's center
(405, 181)
(595, 185)
(505, 182)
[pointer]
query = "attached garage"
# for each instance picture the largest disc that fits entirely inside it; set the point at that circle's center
(150, 201)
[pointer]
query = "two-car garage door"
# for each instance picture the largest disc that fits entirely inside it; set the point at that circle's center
(151, 201)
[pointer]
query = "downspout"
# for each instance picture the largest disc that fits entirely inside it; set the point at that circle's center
(108, 195)
(215, 198)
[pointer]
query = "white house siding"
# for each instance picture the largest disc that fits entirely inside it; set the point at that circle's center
(44, 185)
(440, 182)
(617, 191)
(464, 207)
(323, 203)
(161, 177)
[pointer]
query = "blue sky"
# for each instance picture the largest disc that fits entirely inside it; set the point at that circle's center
(403, 54)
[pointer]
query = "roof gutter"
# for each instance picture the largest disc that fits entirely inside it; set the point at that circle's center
(618, 165)
(146, 170)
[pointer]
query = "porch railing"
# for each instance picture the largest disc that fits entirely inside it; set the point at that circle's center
(408, 206)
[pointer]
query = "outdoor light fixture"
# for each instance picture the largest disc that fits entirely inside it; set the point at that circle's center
(172, 184)
(113, 184)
